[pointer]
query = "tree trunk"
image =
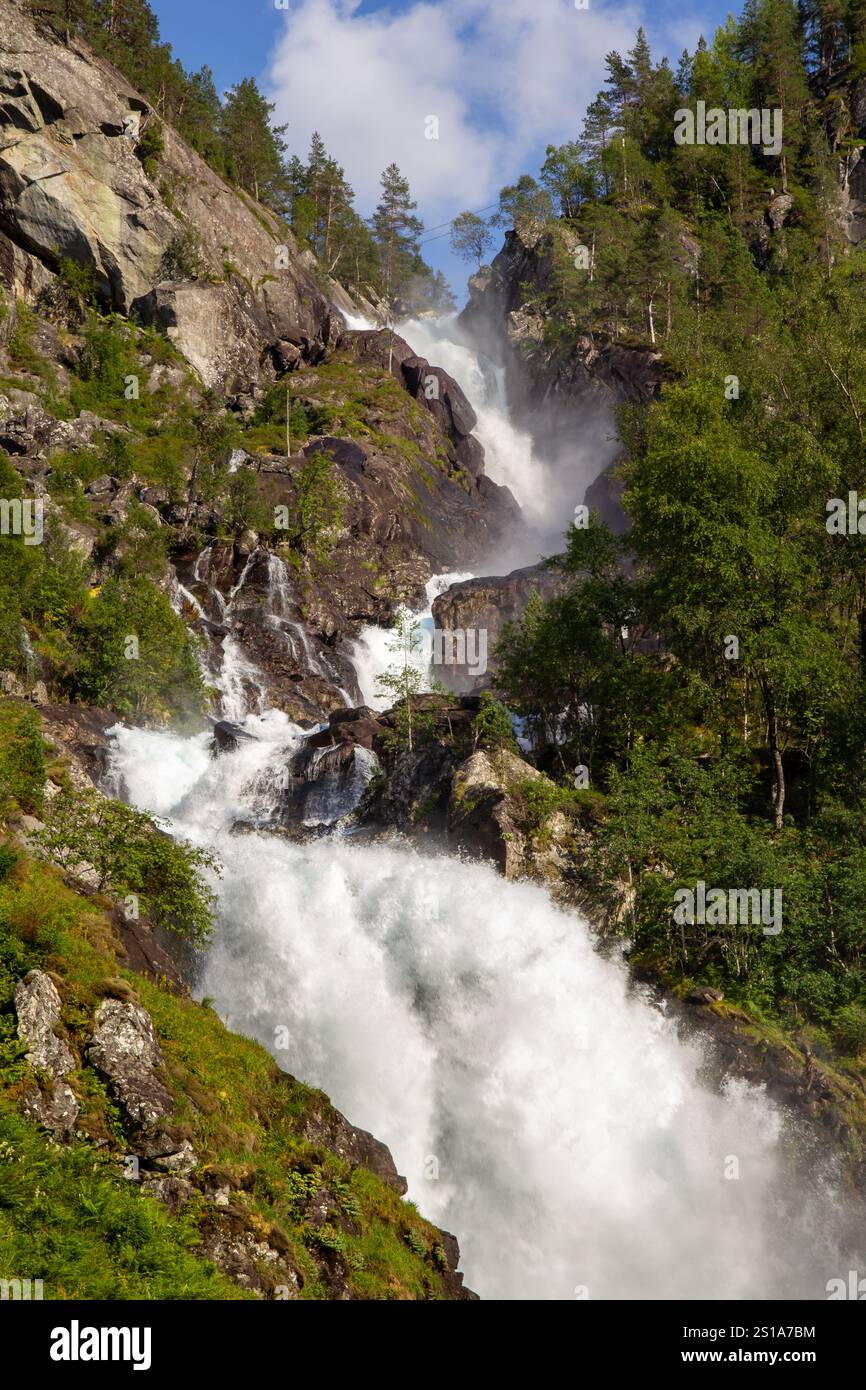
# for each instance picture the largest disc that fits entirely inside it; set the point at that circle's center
(776, 755)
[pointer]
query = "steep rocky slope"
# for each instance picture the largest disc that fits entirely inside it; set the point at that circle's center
(232, 306)
(205, 309)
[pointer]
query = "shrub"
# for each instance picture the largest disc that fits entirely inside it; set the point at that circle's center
(135, 652)
(72, 292)
(319, 506)
(150, 147)
(492, 724)
(129, 853)
(22, 764)
(182, 258)
(850, 1029)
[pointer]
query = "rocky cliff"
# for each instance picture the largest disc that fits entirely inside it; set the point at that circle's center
(165, 296)
(233, 306)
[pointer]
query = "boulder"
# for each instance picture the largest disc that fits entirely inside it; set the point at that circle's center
(123, 1047)
(704, 995)
(482, 819)
(482, 607)
(38, 1004)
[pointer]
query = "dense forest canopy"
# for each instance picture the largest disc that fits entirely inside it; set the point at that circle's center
(710, 668)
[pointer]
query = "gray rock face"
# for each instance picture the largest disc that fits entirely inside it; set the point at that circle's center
(37, 1004)
(69, 188)
(124, 1049)
(72, 185)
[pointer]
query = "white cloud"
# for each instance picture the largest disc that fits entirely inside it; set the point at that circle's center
(504, 77)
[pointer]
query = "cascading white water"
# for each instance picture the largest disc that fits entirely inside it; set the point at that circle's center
(508, 452)
(371, 652)
(547, 491)
(541, 1108)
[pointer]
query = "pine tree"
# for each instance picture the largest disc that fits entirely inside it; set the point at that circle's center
(771, 41)
(396, 230)
(253, 148)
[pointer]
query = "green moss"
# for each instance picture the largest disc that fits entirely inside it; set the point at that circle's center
(68, 1216)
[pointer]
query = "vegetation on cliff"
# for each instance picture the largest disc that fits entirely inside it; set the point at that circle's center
(708, 670)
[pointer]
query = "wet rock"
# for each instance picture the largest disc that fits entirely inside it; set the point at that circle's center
(358, 725)
(482, 819)
(81, 734)
(328, 1127)
(317, 788)
(38, 1005)
(156, 954)
(226, 736)
(123, 1047)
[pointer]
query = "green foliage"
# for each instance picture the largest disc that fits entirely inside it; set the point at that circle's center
(22, 352)
(318, 508)
(22, 763)
(151, 146)
(128, 853)
(253, 148)
(243, 508)
(850, 1025)
(183, 258)
(135, 652)
(69, 1218)
(71, 294)
(404, 680)
(471, 237)
(107, 359)
(491, 726)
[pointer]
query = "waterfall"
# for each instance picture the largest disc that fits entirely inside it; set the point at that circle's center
(278, 605)
(371, 654)
(540, 1106)
(230, 673)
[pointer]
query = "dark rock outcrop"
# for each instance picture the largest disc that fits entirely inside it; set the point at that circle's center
(484, 606)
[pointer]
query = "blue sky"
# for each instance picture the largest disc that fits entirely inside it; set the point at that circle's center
(502, 77)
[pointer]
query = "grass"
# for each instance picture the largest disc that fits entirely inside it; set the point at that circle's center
(68, 1216)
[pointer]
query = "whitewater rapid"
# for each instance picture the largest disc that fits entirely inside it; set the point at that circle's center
(540, 1107)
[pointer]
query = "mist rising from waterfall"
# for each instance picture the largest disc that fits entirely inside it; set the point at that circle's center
(539, 1105)
(547, 485)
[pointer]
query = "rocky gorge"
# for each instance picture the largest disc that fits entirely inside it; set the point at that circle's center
(215, 412)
